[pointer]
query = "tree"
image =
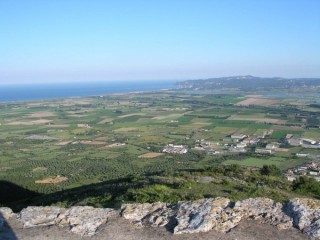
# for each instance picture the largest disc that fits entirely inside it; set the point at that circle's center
(270, 170)
(306, 185)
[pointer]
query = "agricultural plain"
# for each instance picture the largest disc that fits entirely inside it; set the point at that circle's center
(106, 143)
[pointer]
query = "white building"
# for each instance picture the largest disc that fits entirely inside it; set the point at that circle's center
(179, 149)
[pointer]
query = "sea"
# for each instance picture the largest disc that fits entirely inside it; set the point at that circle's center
(43, 91)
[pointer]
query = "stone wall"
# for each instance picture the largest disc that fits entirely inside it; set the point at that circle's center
(219, 214)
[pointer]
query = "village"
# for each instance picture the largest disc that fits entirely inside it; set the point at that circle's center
(309, 169)
(239, 143)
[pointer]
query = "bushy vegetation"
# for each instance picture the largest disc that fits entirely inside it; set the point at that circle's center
(307, 186)
(270, 170)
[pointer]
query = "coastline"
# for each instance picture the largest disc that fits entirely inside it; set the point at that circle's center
(44, 92)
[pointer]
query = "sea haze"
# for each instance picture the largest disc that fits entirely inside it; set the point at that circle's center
(24, 92)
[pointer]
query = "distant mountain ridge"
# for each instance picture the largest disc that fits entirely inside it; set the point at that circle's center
(248, 82)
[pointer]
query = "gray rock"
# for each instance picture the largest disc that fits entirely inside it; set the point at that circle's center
(306, 215)
(201, 215)
(40, 216)
(80, 220)
(185, 217)
(263, 209)
(157, 214)
(86, 220)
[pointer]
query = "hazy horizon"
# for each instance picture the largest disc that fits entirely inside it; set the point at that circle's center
(16, 83)
(83, 41)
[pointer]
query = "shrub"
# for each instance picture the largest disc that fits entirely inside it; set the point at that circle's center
(306, 185)
(270, 170)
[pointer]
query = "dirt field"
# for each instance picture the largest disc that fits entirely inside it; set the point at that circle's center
(257, 101)
(113, 145)
(151, 155)
(105, 120)
(58, 125)
(101, 139)
(258, 120)
(128, 129)
(71, 102)
(42, 121)
(132, 114)
(167, 116)
(41, 115)
(201, 123)
(63, 143)
(56, 179)
(92, 142)
(77, 116)
(35, 122)
(283, 150)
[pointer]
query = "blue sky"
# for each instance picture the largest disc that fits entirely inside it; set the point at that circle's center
(98, 40)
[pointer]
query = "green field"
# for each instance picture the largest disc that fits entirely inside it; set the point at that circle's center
(99, 139)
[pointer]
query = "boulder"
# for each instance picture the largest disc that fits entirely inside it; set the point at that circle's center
(264, 210)
(40, 216)
(80, 220)
(86, 220)
(202, 215)
(306, 215)
(157, 214)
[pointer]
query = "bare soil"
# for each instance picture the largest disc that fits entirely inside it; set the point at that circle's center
(167, 116)
(258, 120)
(257, 101)
(41, 115)
(119, 229)
(56, 179)
(92, 142)
(151, 155)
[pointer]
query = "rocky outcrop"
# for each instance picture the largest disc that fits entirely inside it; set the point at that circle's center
(263, 209)
(222, 215)
(80, 220)
(219, 214)
(306, 215)
(204, 215)
(156, 214)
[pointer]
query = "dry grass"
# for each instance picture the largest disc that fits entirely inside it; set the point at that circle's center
(105, 120)
(41, 115)
(39, 169)
(151, 155)
(201, 123)
(167, 116)
(132, 114)
(92, 142)
(59, 125)
(42, 121)
(114, 145)
(283, 150)
(77, 116)
(101, 139)
(71, 102)
(257, 119)
(30, 123)
(128, 129)
(62, 143)
(257, 101)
